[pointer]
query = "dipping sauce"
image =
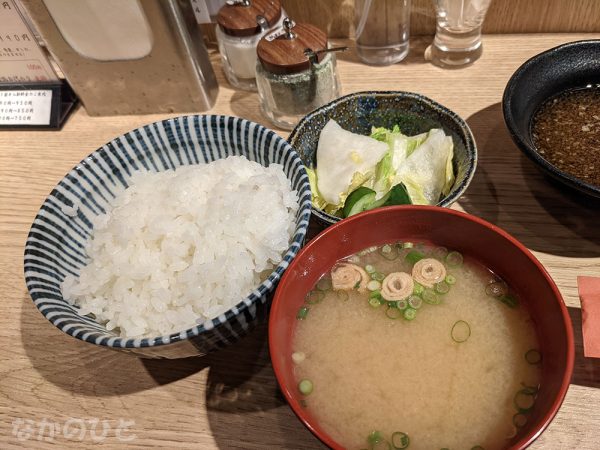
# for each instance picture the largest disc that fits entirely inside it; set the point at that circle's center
(566, 132)
(412, 344)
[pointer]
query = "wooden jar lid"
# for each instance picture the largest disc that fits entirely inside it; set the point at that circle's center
(287, 55)
(240, 19)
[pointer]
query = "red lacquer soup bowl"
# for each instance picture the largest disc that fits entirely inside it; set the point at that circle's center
(467, 234)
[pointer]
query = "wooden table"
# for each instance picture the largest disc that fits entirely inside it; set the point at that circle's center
(53, 387)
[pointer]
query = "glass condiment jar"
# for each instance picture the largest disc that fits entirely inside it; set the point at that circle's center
(241, 25)
(295, 73)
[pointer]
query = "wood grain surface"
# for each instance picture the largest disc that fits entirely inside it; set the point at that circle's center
(504, 16)
(50, 382)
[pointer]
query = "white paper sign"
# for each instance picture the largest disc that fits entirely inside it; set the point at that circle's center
(31, 107)
(21, 59)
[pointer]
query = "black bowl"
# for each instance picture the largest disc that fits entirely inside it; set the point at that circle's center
(568, 66)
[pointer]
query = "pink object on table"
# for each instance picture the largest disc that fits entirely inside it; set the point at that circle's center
(589, 293)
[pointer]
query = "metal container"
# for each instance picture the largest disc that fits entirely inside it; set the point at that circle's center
(128, 56)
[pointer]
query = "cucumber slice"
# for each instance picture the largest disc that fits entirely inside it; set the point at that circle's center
(358, 200)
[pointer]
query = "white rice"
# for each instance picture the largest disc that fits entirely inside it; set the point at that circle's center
(182, 247)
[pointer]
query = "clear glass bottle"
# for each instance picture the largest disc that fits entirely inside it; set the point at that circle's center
(382, 30)
(241, 25)
(291, 81)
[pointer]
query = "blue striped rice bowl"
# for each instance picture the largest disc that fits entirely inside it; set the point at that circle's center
(55, 246)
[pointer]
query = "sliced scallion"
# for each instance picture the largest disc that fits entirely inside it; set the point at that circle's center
(519, 420)
(375, 302)
(401, 305)
(429, 296)
(302, 313)
(369, 268)
(305, 387)
(440, 253)
(450, 279)
(376, 294)
(400, 440)
(415, 302)
(454, 259)
(374, 437)
(298, 357)
(410, 313)
(342, 295)
(314, 297)
(373, 285)
(477, 447)
(377, 276)
(418, 289)
(414, 257)
(392, 312)
(496, 289)
(442, 287)
(533, 356)
(324, 284)
(524, 399)
(461, 331)
(509, 300)
(389, 252)
(408, 245)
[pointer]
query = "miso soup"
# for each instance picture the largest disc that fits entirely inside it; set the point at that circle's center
(414, 346)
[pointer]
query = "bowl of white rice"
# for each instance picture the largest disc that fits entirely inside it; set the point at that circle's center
(169, 240)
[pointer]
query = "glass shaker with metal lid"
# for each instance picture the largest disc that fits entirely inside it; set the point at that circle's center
(295, 73)
(241, 24)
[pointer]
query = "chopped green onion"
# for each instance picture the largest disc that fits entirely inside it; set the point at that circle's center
(324, 284)
(415, 302)
(461, 331)
(342, 295)
(519, 420)
(302, 313)
(533, 356)
(401, 305)
(414, 257)
(477, 447)
(377, 276)
(298, 357)
(314, 297)
(382, 445)
(389, 252)
(450, 279)
(400, 440)
(373, 285)
(357, 285)
(410, 313)
(525, 399)
(440, 253)
(369, 268)
(442, 287)
(375, 302)
(418, 289)
(376, 294)
(305, 387)
(429, 296)
(408, 245)
(392, 312)
(509, 300)
(496, 289)
(454, 259)
(374, 437)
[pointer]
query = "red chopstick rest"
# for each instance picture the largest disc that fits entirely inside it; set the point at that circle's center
(589, 294)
